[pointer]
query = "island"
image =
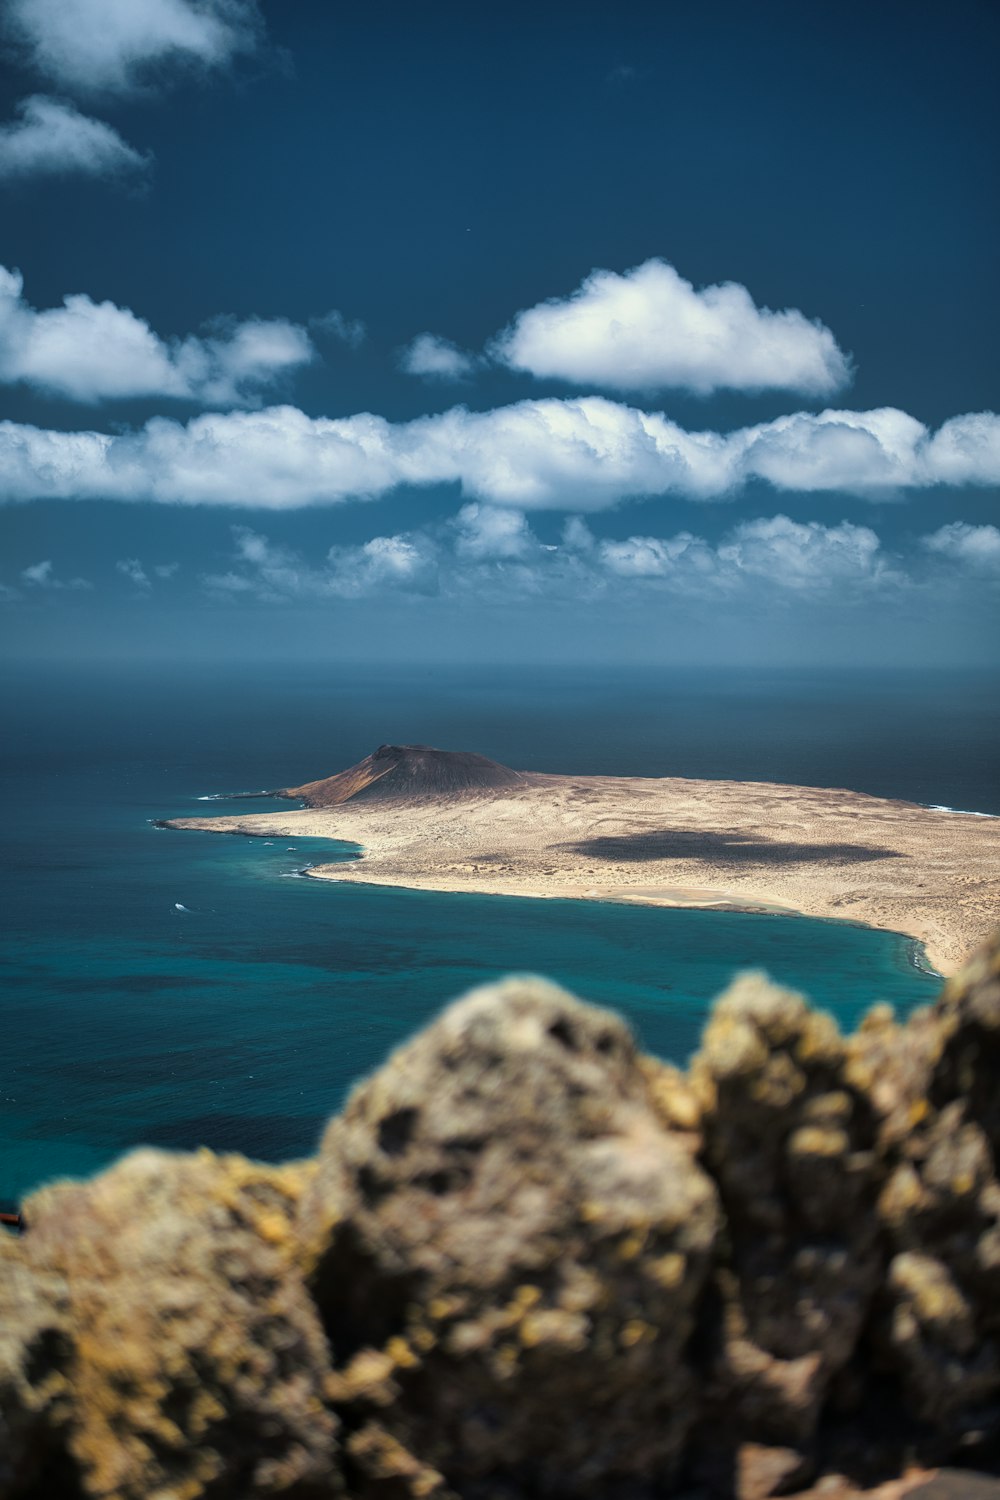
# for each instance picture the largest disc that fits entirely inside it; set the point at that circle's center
(444, 820)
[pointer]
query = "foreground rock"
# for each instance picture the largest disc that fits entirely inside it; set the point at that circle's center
(502, 1212)
(190, 1359)
(529, 1261)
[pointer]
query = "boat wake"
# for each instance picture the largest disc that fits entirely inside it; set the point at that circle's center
(230, 796)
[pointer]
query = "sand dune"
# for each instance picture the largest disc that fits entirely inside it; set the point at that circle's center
(671, 841)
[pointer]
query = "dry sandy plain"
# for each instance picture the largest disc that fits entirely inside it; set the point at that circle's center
(677, 842)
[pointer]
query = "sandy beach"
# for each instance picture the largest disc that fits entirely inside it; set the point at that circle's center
(934, 876)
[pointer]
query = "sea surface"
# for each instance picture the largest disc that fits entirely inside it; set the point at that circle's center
(179, 989)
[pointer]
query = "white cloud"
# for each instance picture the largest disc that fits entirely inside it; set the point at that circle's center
(974, 547)
(269, 571)
(491, 531)
(759, 558)
(50, 139)
(577, 535)
(42, 575)
(137, 573)
(241, 358)
(116, 46)
(132, 569)
(435, 358)
(230, 584)
(658, 557)
(578, 455)
(967, 446)
(802, 555)
(273, 573)
(776, 550)
(96, 351)
(408, 563)
(649, 329)
(350, 331)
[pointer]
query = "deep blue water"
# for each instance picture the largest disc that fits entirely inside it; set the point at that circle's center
(240, 1022)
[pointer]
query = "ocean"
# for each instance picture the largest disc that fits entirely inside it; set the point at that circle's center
(179, 989)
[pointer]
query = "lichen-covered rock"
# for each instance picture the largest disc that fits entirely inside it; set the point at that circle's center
(968, 1013)
(200, 1360)
(790, 1143)
(507, 1244)
(36, 1359)
(936, 1326)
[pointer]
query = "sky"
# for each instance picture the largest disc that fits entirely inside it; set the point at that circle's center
(644, 333)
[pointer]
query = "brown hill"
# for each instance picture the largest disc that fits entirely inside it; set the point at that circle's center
(409, 773)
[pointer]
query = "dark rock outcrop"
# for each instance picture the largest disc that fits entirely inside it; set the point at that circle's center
(528, 1240)
(529, 1261)
(790, 1144)
(409, 773)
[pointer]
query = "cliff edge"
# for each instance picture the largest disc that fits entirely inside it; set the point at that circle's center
(529, 1261)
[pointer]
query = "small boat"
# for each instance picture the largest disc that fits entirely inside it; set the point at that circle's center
(179, 907)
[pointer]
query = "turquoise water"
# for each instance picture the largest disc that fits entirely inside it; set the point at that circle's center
(241, 1022)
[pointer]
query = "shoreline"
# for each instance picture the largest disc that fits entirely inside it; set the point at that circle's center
(917, 954)
(679, 900)
(926, 875)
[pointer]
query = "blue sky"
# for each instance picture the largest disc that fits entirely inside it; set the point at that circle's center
(647, 332)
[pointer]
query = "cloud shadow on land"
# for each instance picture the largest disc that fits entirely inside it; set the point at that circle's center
(725, 845)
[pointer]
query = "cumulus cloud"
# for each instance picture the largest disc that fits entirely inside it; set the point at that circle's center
(649, 329)
(95, 351)
(799, 555)
(51, 139)
(270, 571)
(239, 359)
(490, 531)
(973, 547)
(658, 557)
(42, 575)
(486, 554)
(401, 563)
(117, 46)
(578, 455)
(435, 358)
(790, 555)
